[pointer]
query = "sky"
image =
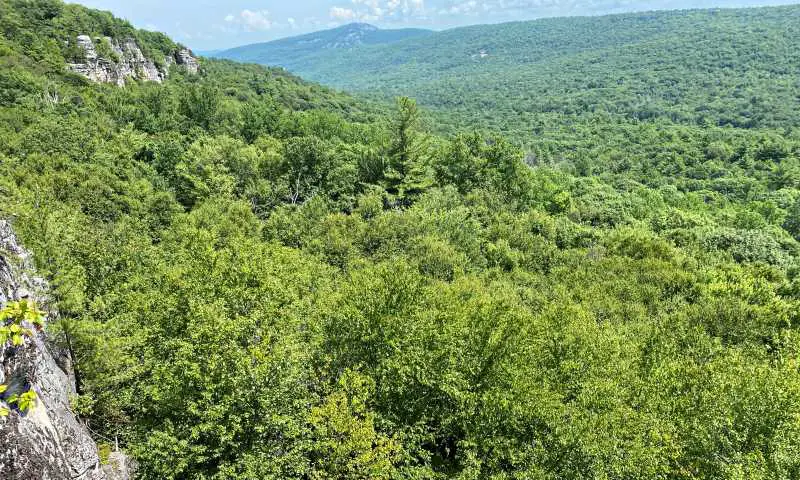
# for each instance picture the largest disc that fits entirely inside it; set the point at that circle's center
(209, 25)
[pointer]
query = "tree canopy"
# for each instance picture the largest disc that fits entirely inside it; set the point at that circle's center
(258, 277)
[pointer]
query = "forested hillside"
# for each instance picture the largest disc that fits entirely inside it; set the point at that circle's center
(259, 278)
(293, 52)
(737, 67)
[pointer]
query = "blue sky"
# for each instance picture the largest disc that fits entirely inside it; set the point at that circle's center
(205, 24)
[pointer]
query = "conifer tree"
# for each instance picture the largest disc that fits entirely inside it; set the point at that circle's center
(407, 174)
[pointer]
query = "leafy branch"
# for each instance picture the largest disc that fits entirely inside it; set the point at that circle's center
(14, 318)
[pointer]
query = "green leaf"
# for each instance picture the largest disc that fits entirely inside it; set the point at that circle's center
(27, 400)
(3, 388)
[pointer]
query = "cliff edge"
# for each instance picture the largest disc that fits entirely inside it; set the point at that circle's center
(106, 60)
(44, 441)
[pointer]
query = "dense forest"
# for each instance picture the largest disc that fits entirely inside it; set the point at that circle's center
(530, 80)
(258, 277)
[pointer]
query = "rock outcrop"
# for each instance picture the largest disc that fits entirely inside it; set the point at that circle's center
(125, 61)
(184, 57)
(119, 467)
(47, 441)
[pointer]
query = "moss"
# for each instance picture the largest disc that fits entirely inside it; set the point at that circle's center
(104, 452)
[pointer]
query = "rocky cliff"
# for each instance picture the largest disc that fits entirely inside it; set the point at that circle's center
(125, 61)
(45, 441)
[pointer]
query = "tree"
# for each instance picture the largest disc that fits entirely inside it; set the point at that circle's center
(407, 174)
(200, 103)
(462, 164)
(259, 118)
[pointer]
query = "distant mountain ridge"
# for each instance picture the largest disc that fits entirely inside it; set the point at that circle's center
(291, 52)
(519, 77)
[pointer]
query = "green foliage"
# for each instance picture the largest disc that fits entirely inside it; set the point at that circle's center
(14, 320)
(26, 401)
(23, 402)
(345, 443)
(104, 451)
(4, 411)
(259, 278)
(17, 321)
(52, 40)
(406, 174)
(105, 49)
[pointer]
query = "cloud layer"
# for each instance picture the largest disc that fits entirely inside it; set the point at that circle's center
(378, 11)
(251, 21)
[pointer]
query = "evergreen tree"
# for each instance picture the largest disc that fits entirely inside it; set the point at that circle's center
(408, 173)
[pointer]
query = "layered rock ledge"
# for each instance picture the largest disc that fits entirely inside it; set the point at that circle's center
(125, 61)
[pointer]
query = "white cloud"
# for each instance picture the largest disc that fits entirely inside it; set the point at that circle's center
(377, 10)
(252, 21)
(255, 21)
(467, 7)
(344, 14)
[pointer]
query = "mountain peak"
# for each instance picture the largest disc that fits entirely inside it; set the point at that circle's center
(364, 27)
(284, 52)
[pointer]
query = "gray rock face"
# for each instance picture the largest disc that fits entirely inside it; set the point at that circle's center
(186, 58)
(47, 442)
(126, 63)
(119, 467)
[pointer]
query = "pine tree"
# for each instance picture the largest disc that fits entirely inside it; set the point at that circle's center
(407, 175)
